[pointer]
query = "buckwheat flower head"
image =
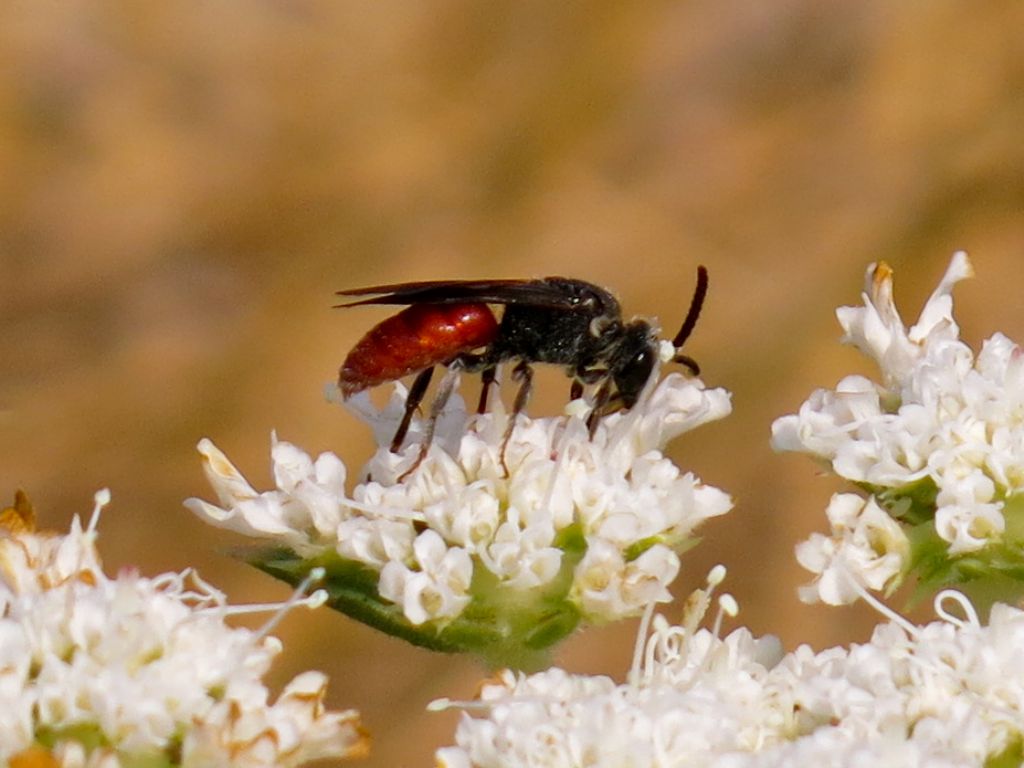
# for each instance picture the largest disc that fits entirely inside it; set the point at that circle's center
(126, 671)
(459, 555)
(949, 694)
(938, 440)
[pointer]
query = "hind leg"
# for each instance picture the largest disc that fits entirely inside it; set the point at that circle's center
(444, 392)
(412, 402)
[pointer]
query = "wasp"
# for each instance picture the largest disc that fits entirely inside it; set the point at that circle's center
(553, 320)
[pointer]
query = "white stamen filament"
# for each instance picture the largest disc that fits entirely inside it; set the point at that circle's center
(952, 595)
(640, 642)
(297, 598)
(880, 607)
(100, 499)
(727, 606)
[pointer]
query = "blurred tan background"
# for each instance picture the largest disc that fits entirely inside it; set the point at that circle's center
(184, 185)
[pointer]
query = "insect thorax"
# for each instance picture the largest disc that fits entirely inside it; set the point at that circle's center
(554, 336)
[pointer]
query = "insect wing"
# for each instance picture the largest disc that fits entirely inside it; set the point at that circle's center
(537, 293)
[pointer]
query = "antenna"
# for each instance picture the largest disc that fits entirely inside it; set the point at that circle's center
(695, 306)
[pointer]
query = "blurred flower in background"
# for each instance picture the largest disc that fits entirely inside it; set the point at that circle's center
(141, 671)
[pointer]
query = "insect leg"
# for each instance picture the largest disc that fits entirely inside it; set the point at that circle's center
(444, 392)
(522, 372)
(584, 377)
(486, 380)
(601, 398)
(412, 402)
(488, 373)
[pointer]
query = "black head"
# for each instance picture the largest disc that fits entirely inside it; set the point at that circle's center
(637, 350)
(633, 361)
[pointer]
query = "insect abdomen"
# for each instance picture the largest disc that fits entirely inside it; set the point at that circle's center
(416, 338)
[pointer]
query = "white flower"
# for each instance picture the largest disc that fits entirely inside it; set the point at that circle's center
(866, 548)
(607, 585)
(940, 416)
(437, 589)
(523, 558)
(877, 328)
(615, 492)
(375, 542)
(966, 516)
(948, 694)
(308, 505)
(99, 671)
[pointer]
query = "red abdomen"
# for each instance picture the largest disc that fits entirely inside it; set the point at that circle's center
(416, 338)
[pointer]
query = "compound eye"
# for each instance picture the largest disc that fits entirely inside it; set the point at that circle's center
(634, 375)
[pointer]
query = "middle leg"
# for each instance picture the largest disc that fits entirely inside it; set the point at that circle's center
(524, 373)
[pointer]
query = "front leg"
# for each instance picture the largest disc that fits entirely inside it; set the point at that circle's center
(601, 398)
(583, 377)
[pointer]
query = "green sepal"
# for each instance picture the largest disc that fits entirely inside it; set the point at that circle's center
(912, 504)
(91, 737)
(504, 626)
(994, 573)
(1013, 514)
(637, 548)
(1011, 757)
(155, 760)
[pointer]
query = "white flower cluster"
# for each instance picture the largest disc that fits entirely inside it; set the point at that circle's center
(105, 672)
(428, 533)
(941, 420)
(949, 694)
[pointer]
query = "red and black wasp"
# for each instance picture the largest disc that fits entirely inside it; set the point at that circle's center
(554, 320)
